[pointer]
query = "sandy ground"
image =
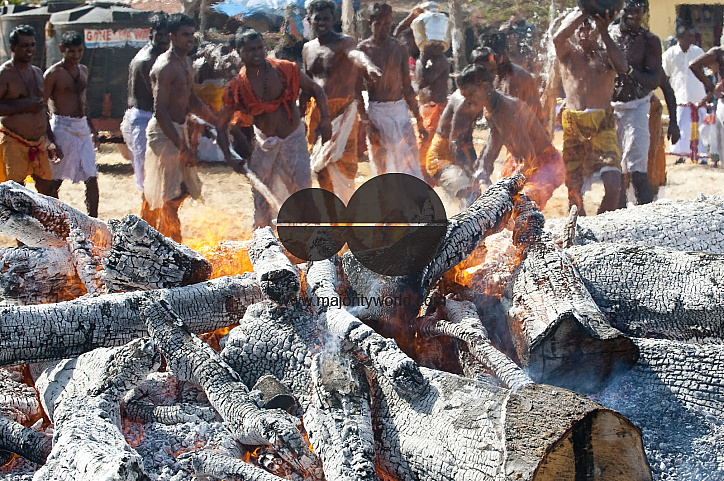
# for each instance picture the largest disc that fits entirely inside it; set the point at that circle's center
(225, 212)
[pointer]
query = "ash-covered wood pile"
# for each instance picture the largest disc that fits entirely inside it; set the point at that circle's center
(522, 355)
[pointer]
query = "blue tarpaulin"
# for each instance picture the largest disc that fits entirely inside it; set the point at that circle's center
(233, 8)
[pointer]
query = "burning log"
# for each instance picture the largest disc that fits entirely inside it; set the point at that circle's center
(193, 360)
(82, 397)
(38, 220)
(486, 216)
(18, 401)
(655, 292)
(693, 373)
(65, 329)
(211, 463)
(384, 354)
(87, 264)
(17, 439)
(38, 275)
(465, 326)
(142, 258)
(692, 225)
(559, 334)
(274, 271)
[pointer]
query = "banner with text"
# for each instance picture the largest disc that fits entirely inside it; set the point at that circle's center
(106, 37)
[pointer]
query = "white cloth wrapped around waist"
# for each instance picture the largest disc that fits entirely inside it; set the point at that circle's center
(397, 151)
(73, 136)
(324, 154)
(282, 164)
(133, 128)
(167, 178)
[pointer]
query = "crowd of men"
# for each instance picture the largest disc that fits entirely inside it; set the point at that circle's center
(282, 121)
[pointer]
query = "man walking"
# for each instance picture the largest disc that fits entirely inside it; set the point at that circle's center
(65, 87)
(170, 166)
(24, 129)
(390, 138)
(588, 71)
(140, 95)
(333, 62)
(267, 89)
(689, 92)
(631, 97)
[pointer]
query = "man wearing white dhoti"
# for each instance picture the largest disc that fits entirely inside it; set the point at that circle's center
(689, 92)
(65, 86)
(391, 140)
(140, 96)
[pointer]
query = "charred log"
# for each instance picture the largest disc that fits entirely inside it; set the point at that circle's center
(142, 258)
(458, 428)
(486, 216)
(18, 401)
(38, 220)
(692, 373)
(38, 275)
(339, 419)
(65, 329)
(212, 463)
(82, 397)
(193, 360)
(174, 414)
(274, 271)
(692, 225)
(655, 292)
(465, 326)
(17, 439)
(87, 264)
(559, 333)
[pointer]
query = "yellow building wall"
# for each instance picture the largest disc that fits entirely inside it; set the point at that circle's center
(662, 15)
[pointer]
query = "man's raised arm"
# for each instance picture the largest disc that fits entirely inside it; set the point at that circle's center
(561, 39)
(361, 59)
(708, 59)
(615, 54)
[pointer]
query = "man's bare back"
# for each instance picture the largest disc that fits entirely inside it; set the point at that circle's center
(528, 139)
(643, 54)
(432, 74)
(22, 108)
(140, 94)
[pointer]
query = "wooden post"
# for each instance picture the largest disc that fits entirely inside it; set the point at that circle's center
(457, 36)
(348, 19)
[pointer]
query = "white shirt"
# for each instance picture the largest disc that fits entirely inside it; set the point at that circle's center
(687, 87)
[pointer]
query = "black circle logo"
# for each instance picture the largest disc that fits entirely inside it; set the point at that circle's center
(394, 224)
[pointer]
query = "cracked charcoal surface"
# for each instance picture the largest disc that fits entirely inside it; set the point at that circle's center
(558, 331)
(41, 221)
(18, 401)
(278, 278)
(656, 292)
(82, 397)
(193, 360)
(16, 438)
(55, 331)
(38, 275)
(142, 258)
(212, 463)
(690, 225)
(87, 264)
(674, 394)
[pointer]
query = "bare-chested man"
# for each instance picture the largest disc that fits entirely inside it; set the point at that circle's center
(24, 128)
(332, 61)
(432, 75)
(511, 79)
(390, 138)
(451, 157)
(589, 62)
(530, 151)
(714, 59)
(631, 97)
(170, 167)
(65, 87)
(140, 95)
(268, 90)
